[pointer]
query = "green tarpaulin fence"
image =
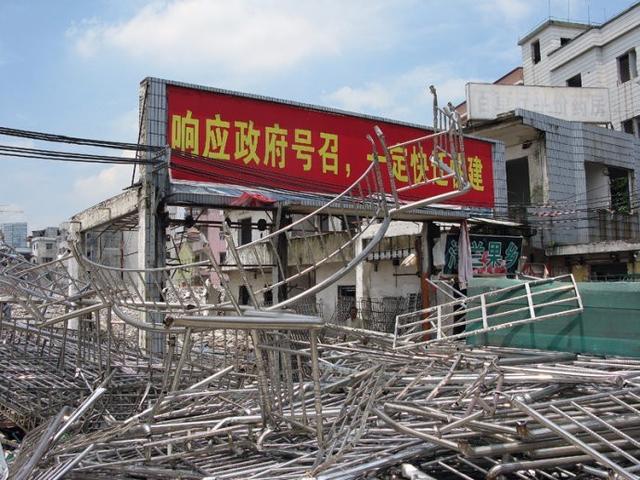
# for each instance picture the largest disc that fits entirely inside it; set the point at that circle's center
(609, 324)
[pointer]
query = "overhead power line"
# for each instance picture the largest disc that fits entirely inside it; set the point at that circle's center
(144, 154)
(35, 153)
(50, 137)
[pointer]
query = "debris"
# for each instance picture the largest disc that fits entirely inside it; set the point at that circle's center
(134, 373)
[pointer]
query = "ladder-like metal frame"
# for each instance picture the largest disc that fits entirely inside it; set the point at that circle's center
(485, 313)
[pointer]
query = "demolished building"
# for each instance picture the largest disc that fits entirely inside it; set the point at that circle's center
(156, 378)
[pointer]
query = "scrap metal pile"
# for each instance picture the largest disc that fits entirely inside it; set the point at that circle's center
(346, 406)
(131, 373)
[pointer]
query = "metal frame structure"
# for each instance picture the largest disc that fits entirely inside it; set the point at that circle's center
(261, 392)
(489, 312)
(448, 144)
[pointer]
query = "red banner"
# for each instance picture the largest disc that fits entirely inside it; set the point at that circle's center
(225, 138)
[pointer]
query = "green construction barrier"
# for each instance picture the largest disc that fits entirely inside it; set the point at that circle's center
(609, 324)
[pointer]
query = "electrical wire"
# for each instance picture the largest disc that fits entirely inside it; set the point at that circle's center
(221, 172)
(50, 137)
(41, 154)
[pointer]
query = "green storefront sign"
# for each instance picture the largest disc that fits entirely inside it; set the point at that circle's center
(490, 254)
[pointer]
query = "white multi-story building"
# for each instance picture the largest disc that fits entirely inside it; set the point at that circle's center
(44, 245)
(559, 53)
(573, 181)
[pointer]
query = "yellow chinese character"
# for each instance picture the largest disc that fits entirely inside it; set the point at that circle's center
(216, 141)
(417, 162)
(274, 146)
(399, 159)
(329, 153)
(303, 148)
(185, 133)
(474, 167)
(246, 142)
(381, 158)
(438, 172)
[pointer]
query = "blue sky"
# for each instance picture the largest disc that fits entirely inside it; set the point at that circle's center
(73, 67)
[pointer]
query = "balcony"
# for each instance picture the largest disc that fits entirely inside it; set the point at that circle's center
(605, 225)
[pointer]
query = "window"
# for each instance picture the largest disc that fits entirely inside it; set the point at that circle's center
(349, 222)
(564, 41)
(619, 184)
(268, 297)
(346, 300)
(608, 272)
(223, 257)
(627, 66)
(243, 296)
(518, 190)
(49, 246)
(245, 231)
(631, 126)
(323, 223)
(221, 234)
(535, 51)
(575, 81)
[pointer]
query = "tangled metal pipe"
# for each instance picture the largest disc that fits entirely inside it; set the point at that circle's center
(367, 408)
(260, 391)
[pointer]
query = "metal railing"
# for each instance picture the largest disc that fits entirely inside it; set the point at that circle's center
(523, 303)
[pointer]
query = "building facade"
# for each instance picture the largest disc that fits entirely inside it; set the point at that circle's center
(15, 235)
(574, 183)
(44, 244)
(558, 53)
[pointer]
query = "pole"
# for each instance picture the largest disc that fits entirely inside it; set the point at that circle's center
(424, 249)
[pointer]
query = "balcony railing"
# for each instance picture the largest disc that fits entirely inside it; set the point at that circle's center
(605, 225)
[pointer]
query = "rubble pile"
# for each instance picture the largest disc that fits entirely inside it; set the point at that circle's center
(133, 373)
(448, 411)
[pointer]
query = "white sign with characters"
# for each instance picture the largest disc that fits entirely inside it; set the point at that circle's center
(486, 101)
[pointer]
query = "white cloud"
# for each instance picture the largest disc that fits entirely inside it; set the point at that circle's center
(107, 182)
(371, 96)
(404, 96)
(243, 36)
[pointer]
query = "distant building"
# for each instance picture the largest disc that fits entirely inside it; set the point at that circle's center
(187, 245)
(44, 245)
(15, 235)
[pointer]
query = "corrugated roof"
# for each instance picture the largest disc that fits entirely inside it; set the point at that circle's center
(221, 196)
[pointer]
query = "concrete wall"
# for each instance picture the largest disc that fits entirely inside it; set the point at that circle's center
(499, 179)
(113, 248)
(328, 298)
(385, 283)
(598, 189)
(549, 38)
(569, 145)
(238, 215)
